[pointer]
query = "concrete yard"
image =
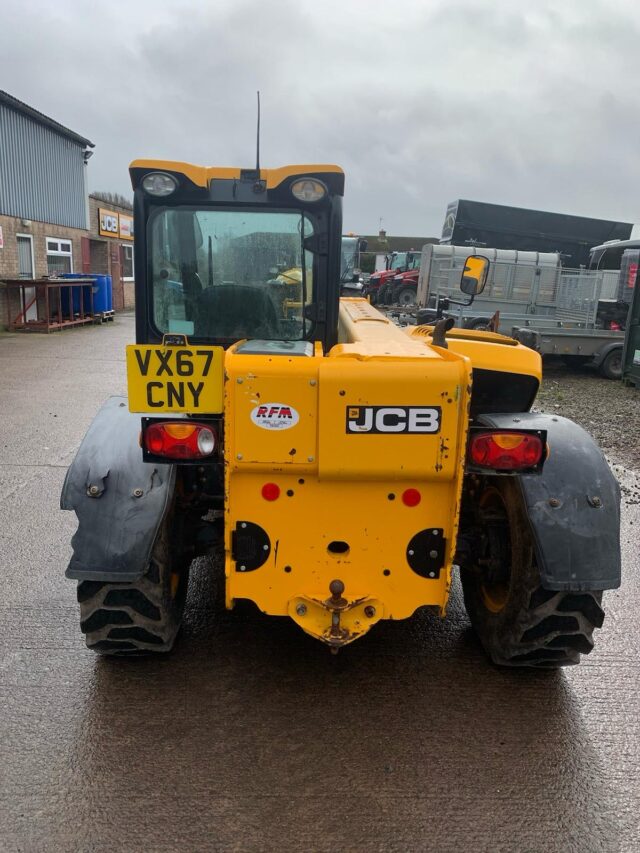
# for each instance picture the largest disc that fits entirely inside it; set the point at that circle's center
(251, 736)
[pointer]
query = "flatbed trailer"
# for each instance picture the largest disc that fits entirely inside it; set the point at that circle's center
(600, 347)
(529, 295)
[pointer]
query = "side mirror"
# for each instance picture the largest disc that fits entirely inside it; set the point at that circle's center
(474, 275)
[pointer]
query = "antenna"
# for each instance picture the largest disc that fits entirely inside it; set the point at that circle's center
(258, 139)
(259, 186)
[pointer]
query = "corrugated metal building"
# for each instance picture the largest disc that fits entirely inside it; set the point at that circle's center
(43, 195)
(42, 167)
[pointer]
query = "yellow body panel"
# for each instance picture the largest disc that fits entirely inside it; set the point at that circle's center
(175, 379)
(341, 486)
(487, 350)
(348, 385)
(202, 175)
(257, 382)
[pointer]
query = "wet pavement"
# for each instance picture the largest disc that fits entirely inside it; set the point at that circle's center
(251, 736)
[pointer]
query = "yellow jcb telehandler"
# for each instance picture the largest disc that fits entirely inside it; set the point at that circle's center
(268, 414)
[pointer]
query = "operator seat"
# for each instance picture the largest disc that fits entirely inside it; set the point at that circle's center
(233, 312)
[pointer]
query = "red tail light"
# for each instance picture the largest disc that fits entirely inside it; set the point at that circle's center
(506, 451)
(180, 440)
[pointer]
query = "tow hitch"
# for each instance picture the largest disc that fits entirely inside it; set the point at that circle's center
(336, 620)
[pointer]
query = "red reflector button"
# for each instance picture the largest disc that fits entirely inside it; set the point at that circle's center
(271, 491)
(411, 497)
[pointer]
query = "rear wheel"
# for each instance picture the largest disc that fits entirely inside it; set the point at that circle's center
(141, 617)
(479, 323)
(406, 297)
(611, 366)
(518, 621)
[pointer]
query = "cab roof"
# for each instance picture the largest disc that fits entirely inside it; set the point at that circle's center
(201, 176)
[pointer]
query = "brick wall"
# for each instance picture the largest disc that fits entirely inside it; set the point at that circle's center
(129, 296)
(38, 231)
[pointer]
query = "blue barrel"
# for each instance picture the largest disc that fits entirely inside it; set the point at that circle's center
(86, 294)
(102, 294)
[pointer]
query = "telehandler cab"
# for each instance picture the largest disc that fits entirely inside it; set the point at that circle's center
(268, 417)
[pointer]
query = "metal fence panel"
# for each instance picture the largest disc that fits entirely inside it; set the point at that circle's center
(569, 296)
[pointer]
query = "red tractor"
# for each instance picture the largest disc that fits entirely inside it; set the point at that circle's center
(377, 288)
(402, 289)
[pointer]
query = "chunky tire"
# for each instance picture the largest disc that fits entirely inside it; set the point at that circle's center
(611, 367)
(480, 324)
(142, 617)
(406, 297)
(518, 621)
(382, 294)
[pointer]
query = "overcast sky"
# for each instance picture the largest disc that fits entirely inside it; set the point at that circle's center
(533, 104)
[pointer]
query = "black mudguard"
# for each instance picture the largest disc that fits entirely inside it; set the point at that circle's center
(120, 500)
(573, 505)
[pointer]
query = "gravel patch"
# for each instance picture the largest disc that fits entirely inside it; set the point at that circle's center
(609, 410)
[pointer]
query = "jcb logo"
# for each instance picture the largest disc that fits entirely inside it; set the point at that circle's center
(390, 419)
(109, 223)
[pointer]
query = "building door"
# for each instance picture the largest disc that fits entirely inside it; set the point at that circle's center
(25, 270)
(116, 277)
(98, 257)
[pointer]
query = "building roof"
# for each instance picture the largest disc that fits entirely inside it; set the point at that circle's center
(397, 244)
(41, 118)
(106, 198)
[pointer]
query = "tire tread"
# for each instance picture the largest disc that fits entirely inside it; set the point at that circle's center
(138, 617)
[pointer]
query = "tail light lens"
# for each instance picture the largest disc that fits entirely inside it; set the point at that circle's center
(506, 451)
(180, 440)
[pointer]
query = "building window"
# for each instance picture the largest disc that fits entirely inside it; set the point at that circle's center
(127, 263)
(59, 256)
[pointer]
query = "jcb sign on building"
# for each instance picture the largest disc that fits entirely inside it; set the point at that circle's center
(108, 223)
(112, 224)
(126, 226)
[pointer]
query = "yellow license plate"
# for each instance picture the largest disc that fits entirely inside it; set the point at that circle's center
(175, 379)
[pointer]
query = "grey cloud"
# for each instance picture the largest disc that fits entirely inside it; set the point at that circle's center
(420, 102)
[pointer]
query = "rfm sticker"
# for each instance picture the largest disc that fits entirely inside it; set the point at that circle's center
(393, 419)
(275, 416)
